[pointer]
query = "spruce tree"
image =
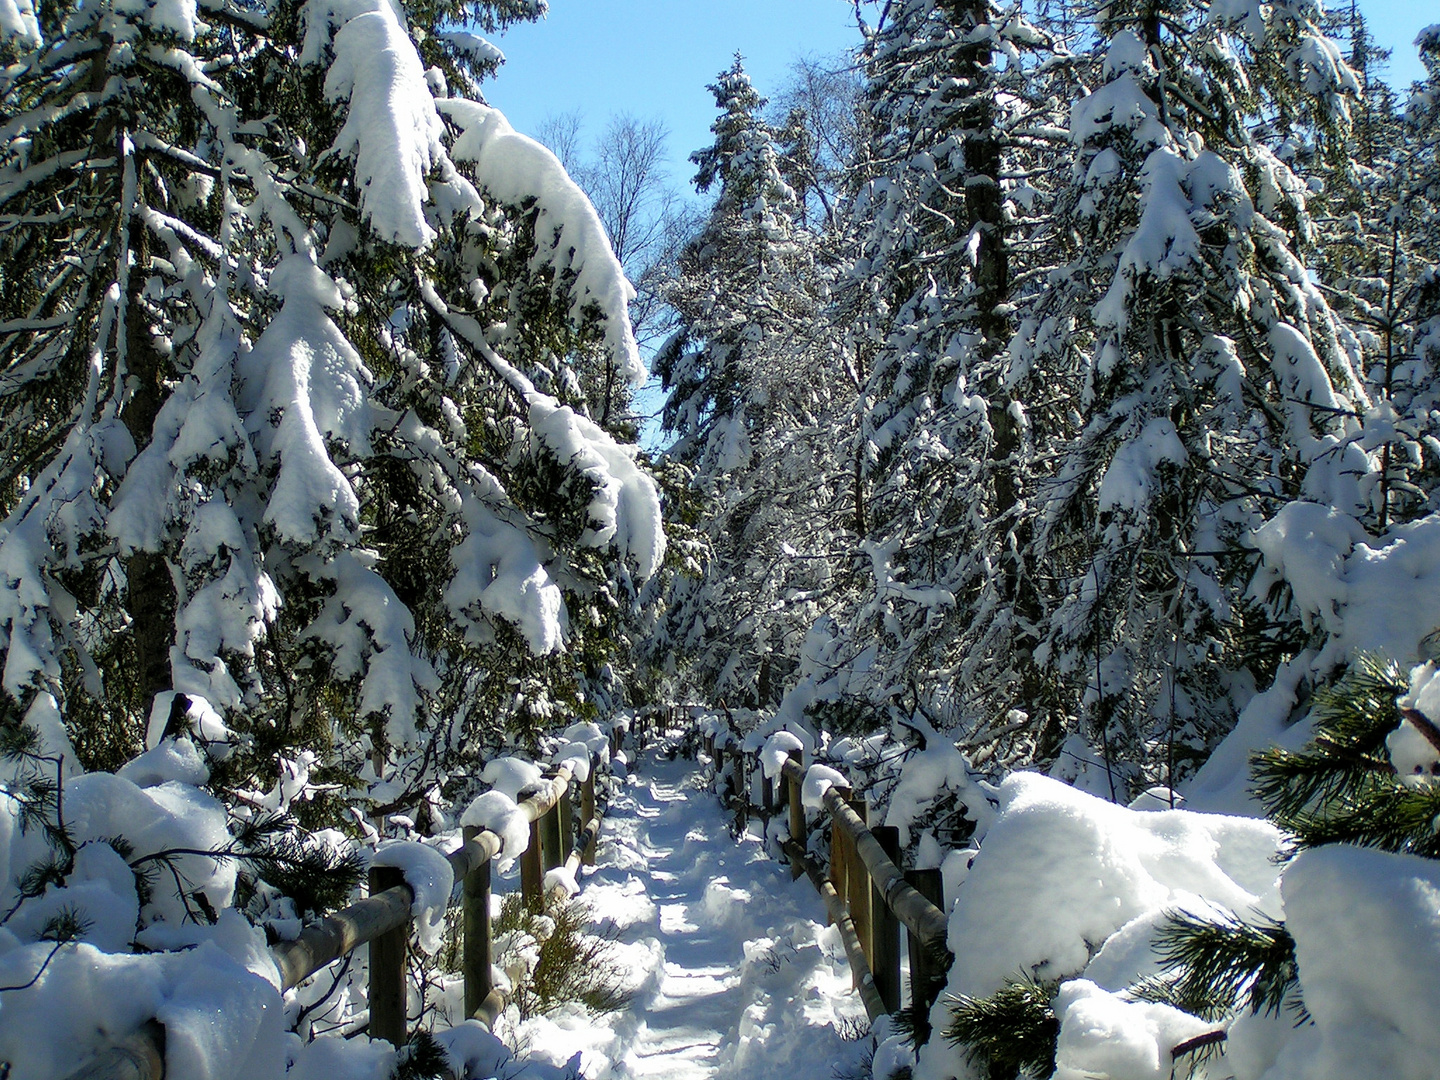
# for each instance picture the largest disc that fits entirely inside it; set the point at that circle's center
(930, 304)
(299, 352)
(1213, 380)
(750, 373)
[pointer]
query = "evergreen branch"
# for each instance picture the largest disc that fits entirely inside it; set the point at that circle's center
(1352, 720)
(1222, 966)
(1012, 1031)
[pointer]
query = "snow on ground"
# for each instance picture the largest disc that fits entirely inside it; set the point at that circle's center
(735, 972)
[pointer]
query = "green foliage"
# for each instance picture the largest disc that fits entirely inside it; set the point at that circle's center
(315, 875)
(1341, 787)
(1009, 1034)
(1216, 968)
(421, 1058)
(569, 965)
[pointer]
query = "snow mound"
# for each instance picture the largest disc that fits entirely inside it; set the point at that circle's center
(818, 780)
(497, 812)
(431, 879)
(1366, 926)
(1103, 1035)
(1060, 871)
(776, 752)
(511, 775)
(1059, 874)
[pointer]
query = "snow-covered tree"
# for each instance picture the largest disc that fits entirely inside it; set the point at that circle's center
(291, 335)
(1213, 380)
(929, 304)
(749, 377)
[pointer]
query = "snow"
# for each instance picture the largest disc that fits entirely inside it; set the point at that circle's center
(1104, 1036)
(1060, 873)
(1366, 926)
(357, 1059)
(511, 775)
(100, 890)
(1132, 478)
(1368, 594)
(1411, 753)
(576, 757)
(559, 877)
(18, 20)
(303, 386)
(174, 759)
(625, 502)
(391, 126)
(169, 815)
(498, 574)
(431, 879)
(474, 1051)
(818, 780)
(514, 169)
(591, 735)
(776, 752)
(924, 776)
(497, 812)
(222, 1020)
(367, 631)
(734, 972)
(1222, 784)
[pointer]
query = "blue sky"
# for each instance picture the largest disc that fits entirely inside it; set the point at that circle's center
(653, 58)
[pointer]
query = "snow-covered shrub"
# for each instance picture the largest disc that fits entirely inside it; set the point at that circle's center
(1196, 941)
(551, 958)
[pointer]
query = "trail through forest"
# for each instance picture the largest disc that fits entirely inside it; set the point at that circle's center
(732, 973)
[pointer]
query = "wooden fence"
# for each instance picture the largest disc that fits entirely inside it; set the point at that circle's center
(383, 921)
(867, 896)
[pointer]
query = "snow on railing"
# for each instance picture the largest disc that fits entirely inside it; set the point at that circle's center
(867, 895)
(549, 863)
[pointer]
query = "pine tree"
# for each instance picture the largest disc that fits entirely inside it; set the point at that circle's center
(749, 377)
(930, 304)
(298, 354)
(1214, 382)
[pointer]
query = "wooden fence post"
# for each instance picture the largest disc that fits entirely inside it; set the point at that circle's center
(387, 967)
(927, 978)
(550, 853)
(839, 862)
(767, 795)
(587, 811)
(479, 979)
(858, 892)
(532, 875)
(885, 928)
(566, 806)
(797, 816)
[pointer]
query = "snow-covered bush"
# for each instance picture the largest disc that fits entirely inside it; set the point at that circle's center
(1129, 942)
(552, 960)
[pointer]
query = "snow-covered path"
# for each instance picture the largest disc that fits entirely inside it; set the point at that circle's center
(733, 973)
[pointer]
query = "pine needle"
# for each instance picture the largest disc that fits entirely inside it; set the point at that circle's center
(1223, 965)
(1012, 1033)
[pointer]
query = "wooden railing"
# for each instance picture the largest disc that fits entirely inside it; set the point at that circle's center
(383, 921)
(867, 896)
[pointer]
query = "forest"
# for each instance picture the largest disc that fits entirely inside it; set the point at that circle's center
(1048, 450)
